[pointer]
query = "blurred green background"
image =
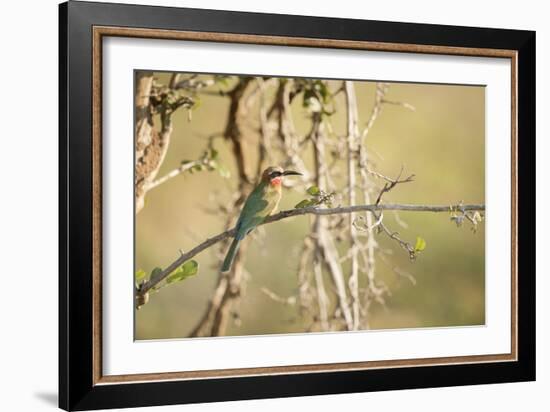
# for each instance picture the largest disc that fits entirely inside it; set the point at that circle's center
(442, 142)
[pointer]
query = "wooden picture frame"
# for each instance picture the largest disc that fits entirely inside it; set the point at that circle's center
(82, 385)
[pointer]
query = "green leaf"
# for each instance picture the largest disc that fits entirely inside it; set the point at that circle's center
(189, 268)
(222, 80)
(213, 154)
(156, 272)
(308, 94)
(305, 203)
(323, 90)
(313, 190)
(197, 103)
(420, 244)
(196, 168)
(224, 172)
(140, 275)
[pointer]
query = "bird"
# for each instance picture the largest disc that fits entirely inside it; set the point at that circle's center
(259, 204)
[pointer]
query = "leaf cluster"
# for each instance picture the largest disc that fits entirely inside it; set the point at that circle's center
(317, 197)
(317, 97)
(182, 272)
(209, 161)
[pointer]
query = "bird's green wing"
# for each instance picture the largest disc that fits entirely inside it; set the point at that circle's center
(255, 210)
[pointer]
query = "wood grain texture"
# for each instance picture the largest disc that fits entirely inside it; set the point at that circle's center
(299, 42)
(97, 205)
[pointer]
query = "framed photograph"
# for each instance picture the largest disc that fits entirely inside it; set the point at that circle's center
(257, 205)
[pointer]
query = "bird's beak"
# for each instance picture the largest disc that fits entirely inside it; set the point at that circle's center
(291, 172)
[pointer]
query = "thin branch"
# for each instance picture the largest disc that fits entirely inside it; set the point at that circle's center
(206, 160)
(392, 183)
(304, 290)
(387, 178)
(330, 253)
(371, 244)
(352, 140)
(395, 236)
(287, 131)
(402, 104)
(322, 298)
(263, 140)
(291, 300)
(184, 167)
(381, 89)
(300, 212)
(321, 255)
(325, 247)
(174, 80)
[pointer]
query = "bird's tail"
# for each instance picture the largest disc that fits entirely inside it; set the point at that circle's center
(226, 266)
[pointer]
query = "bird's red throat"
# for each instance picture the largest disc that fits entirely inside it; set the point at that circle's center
(276, 181)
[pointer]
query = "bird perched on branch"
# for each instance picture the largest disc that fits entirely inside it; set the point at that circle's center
(261, 202)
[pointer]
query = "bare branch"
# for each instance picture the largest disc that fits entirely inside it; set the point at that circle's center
(402, 104)
(324, 245)
(392, 183)
(184, 167)
(329, 251)
(322, 298)
(291, 300)
(381, 89)
(206, 160)
(263, 141)
(353, 143)
(300, 212)
(233, 130)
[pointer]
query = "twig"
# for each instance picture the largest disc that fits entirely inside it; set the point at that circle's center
(395, 236)
(392, 183)
(291, 300)
(184, 167)
(383, 177)
(402, 104)
(381, 89)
